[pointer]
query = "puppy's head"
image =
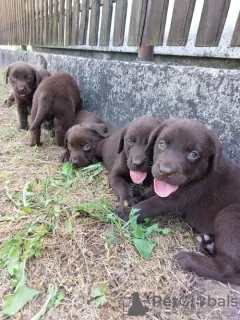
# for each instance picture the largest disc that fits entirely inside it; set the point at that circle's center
(23, 78)
(184, 151)
(82, 141)
(133, 142)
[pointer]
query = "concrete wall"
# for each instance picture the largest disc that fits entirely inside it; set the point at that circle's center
(121, 90)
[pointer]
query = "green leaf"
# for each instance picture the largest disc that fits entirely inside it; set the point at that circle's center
(84, 250)
(137, 230)
(14, 302)
(100, 301)
(166, 231)
(98, 293)
(144, 247)
(152, 228)
(69, 226)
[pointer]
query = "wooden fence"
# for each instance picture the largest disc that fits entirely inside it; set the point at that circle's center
(70, 22)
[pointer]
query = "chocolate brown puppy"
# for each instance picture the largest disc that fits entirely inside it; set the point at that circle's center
(121, 150)
(82, 138)
(59, 97)
(24, 79)
(194, 178)
(132, 163)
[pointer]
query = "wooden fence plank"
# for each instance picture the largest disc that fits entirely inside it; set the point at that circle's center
(41, 22)
(75, 22)
(94, 23)
(13, 10)
(50, 21)
(55, 23)
(181, 22)
(83, 22)
(235, 42)
(33, 22)
(120, 22)
(61, 22)
(138, 13)
(212, 21)
(37, 21)
(27, 22)
(45, 24)
(24, 25)
(154, 31)
(68, 22)
(106, 23)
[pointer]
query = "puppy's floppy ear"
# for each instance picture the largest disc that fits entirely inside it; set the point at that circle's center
(66, 140)
(217, 150)
(121, 142)
(7, 74)
(101, 129)
(153, 137)
(38, 78)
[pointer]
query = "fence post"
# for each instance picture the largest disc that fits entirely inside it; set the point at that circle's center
(145, 52)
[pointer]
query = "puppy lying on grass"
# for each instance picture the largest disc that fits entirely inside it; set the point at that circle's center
(194, 178)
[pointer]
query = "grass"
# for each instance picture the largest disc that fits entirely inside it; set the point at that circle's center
(65, 255)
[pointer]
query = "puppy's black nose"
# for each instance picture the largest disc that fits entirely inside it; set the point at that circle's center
(165, 170)
(137, 163)
(20, 90)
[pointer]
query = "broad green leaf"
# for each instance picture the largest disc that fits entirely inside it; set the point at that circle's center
(14, 302)
(152, 228)
(98, 291)
(100, 301)
(144, 247)
(166, 231)
(137, 230)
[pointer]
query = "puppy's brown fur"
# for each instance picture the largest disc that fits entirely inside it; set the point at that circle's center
(24, 79)
(120, 152)
(57, 96)
(82, 138)
(188, 155)
(132, 155)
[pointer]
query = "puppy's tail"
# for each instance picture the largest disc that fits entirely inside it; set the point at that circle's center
(40, 109)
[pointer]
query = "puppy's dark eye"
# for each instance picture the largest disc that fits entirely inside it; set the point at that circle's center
(29, 78)
(162, 145)
(86, 147)
(193, 155)
(13, 79)
(130, 143)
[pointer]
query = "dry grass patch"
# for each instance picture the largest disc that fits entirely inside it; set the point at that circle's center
(92, 264)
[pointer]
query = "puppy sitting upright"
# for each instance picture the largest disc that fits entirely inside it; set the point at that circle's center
(193, 177)
(24, 79)
(56, 97)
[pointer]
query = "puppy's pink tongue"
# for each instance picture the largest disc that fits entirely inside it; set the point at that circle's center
(137, 176)
(164, 189)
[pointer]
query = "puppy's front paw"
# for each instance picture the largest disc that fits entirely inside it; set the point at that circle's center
(184, 258)
(122, 211)
(8, 103)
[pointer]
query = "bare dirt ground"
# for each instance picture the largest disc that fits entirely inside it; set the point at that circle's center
(80, 254)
